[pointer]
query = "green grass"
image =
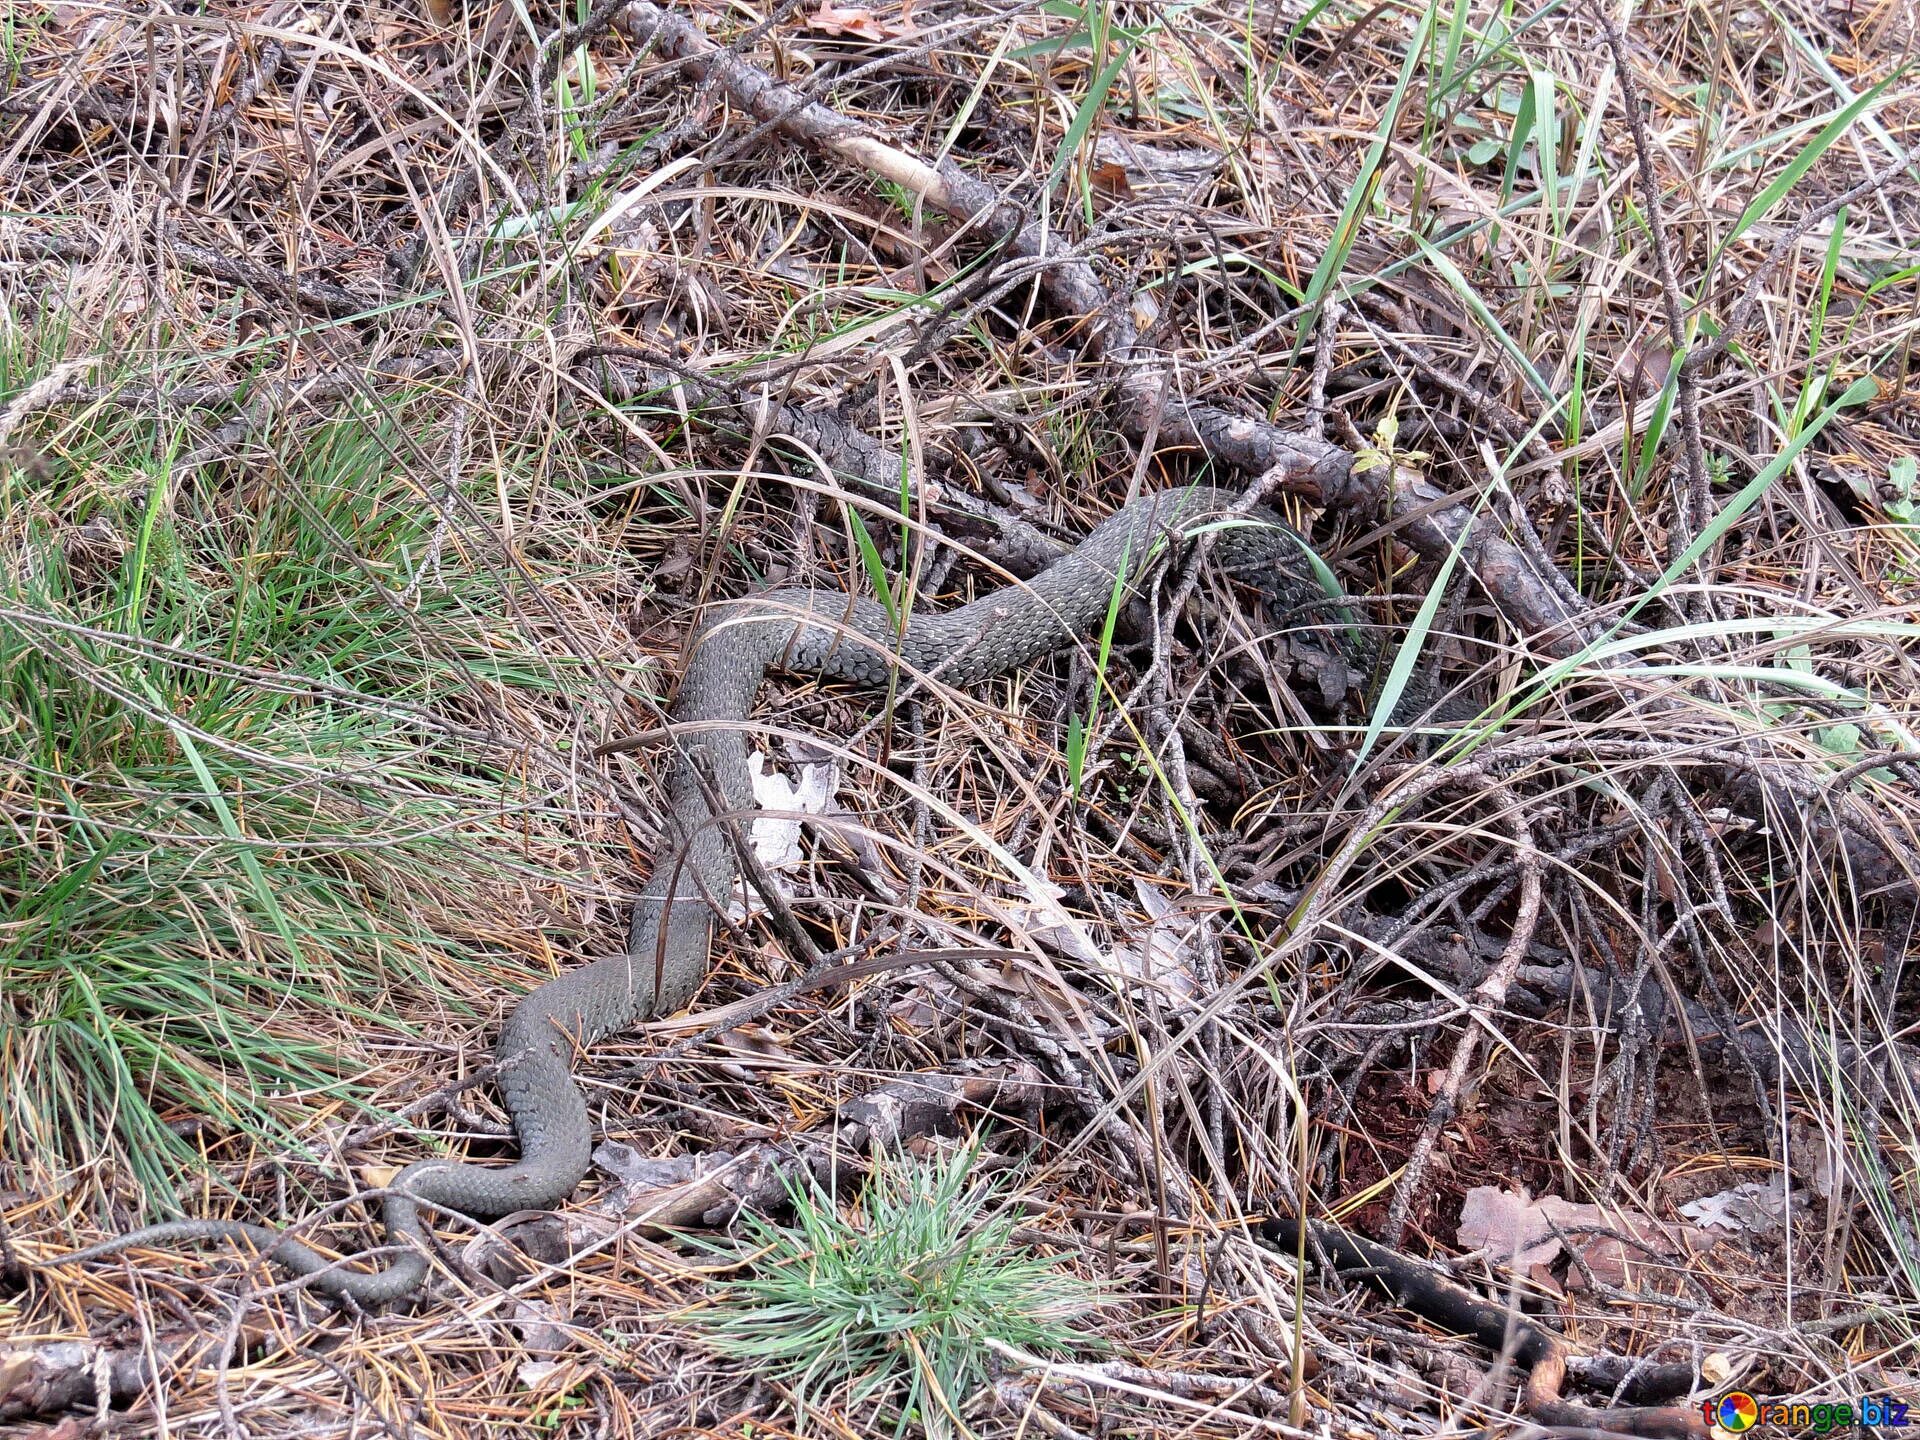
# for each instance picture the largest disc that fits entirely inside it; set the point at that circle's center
(885, 1309)
(249, 815)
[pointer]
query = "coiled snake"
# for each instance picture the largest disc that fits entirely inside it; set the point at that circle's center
(806, 631)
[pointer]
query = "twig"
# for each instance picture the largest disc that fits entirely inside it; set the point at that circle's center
(272, 53)
(1489, 997)
(1695, 509)
(1312, 466)
(1326, 345)
(322, 296)
(857, 457)
(779, 913)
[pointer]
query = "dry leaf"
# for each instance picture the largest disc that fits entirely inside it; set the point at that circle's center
(1643, 368)
(857, 21)
(1111, 179)
(542, 1328)
(1042, 917)
(1754, 1208)
(1514, 1229)
(1162, 955)
(539, 1374)
(1508, 1226)
(642, 1172)
(776, 837)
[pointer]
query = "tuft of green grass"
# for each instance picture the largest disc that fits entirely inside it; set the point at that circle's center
(886, 1307)
(249, 809)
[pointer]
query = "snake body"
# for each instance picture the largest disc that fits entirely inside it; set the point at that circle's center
(809, 632)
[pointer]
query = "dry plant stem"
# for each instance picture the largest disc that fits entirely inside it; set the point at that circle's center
(1326, 344)
(1198, 877)
(1418, 784)
(709, 1189)
(1193, 1390)
(1489, 997)
(1768, 791)
(1165, 735)
(1021, 1401)
(838, 968)
(80, 107)
(466, 184)
(455, 465)
(320, 296)
(915, 860)
(1007, 540)
(1785, 1046)
(1695, 508)
(230, 1336)
(1022, 1029)
(1476, 398)
(1195, 1385)
(1424, 911)
(272, 53)
(1759, 785)
(1315, 468)
(444, 1098)
(45, 1377)
(1531, 593)
(265, 398)
(1200, 881)
(1534, 580)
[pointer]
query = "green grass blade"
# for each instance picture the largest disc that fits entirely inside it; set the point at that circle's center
(875, 566)
(1465, 290)
(1404, 659)
(1346, 229)
(1781, 186)
(1078, 734)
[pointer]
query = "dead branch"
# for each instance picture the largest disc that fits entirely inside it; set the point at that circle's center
(1313, 468)
(1431, 522)
(1695, 508)
(47, 1377)
(323, 297)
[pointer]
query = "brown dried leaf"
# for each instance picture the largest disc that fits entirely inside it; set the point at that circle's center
(1111, 180)
(1520, 1232)
(1508, 1226)
(1643, 368)
(857, 21)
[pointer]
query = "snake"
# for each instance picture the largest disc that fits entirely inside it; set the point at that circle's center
(809, 632)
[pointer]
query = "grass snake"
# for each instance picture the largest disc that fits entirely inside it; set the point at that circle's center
(810, 632)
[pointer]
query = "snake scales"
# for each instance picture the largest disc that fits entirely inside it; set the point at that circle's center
(806, 631)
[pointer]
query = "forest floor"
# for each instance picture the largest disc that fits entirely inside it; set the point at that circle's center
(383, 391)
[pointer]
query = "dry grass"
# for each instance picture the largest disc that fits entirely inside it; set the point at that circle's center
(319, 600)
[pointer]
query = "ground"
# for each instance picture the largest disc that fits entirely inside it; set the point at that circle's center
(1517, 868)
